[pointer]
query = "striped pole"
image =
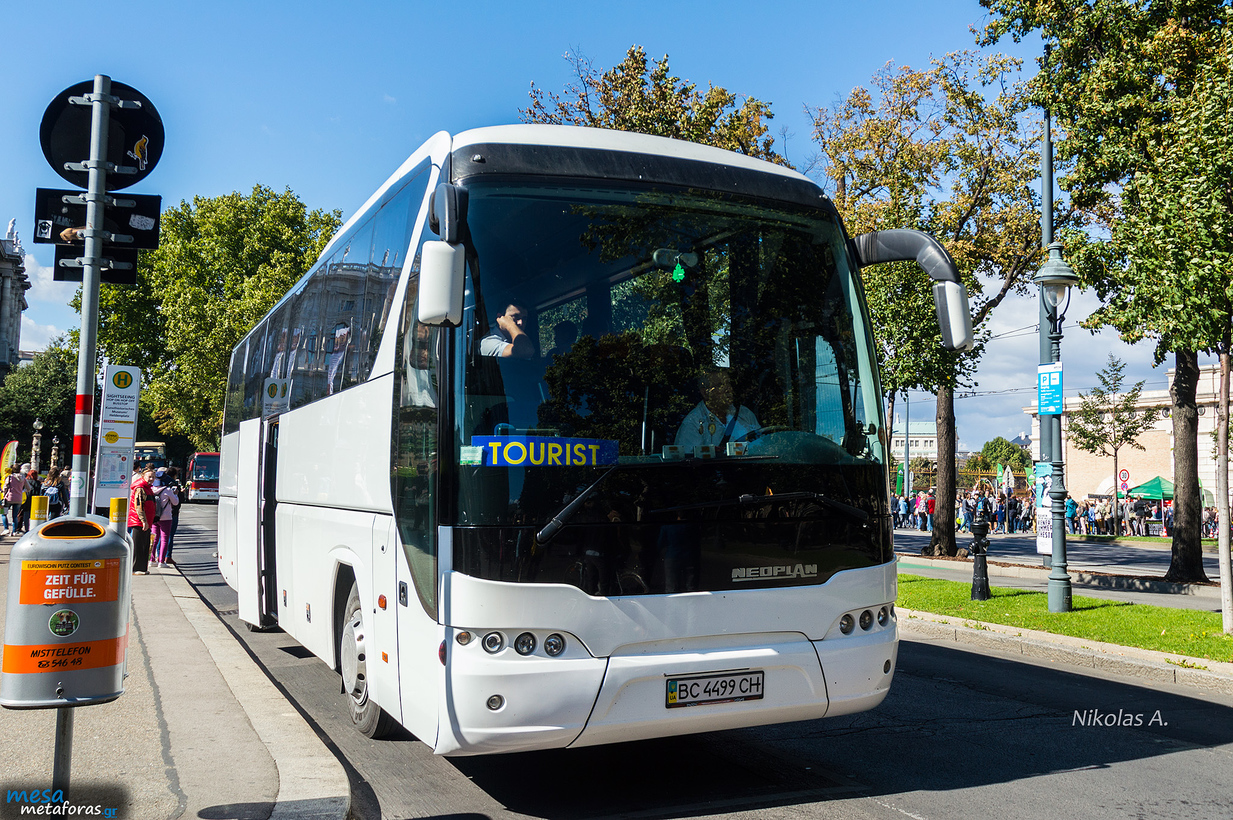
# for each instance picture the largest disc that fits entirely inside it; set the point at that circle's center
(96, 195)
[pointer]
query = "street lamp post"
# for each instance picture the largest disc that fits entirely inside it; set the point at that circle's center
(55, 452)
(37, 445)
(1055, 279)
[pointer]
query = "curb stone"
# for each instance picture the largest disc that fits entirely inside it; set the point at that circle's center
(1162, 667)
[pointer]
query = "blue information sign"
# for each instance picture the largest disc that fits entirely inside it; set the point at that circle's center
(1049, 389)
(516, 451)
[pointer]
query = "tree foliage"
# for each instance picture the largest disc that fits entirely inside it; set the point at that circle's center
(950, 150)
(1110, 73)
(1006, 453)
(638, 96)
(222, 263)
(46, 390)
(1108, 418)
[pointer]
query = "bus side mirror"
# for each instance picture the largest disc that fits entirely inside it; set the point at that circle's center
(447, 212)
(950, 299)
(442, 282)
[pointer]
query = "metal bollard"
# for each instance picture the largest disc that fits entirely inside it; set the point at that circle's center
(980, 548)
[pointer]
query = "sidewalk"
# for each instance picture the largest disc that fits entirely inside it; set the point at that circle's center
(199, 732)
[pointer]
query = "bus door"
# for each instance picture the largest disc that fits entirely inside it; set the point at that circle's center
(255, 486)
(248, 518)
(267, 583)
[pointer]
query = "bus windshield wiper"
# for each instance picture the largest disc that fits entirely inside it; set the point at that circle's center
(757, 500)
(559, 520)
(567, 512)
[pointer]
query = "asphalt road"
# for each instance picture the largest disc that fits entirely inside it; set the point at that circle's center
(961, 735)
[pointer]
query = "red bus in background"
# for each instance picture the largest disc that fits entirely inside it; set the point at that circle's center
(201, 477)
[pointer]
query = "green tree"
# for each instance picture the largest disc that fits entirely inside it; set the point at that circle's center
(649, 99)
(222, 263)
(1001, 451)
(980, 463)
(1109, 419)
(45, 389)
(1179, 240)
(1112, 74)
(949, 150)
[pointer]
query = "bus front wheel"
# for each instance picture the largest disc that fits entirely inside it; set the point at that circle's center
(353, 650)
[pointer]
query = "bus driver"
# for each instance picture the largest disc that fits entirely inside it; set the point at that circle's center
(508, 337)
(716, 420)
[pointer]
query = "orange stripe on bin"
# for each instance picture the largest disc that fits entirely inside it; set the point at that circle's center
(66, 657)
(70, 582)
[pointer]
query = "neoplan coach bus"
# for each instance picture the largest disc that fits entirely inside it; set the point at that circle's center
(574, 437)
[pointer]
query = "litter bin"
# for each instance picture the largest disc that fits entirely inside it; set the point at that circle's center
(66, 622)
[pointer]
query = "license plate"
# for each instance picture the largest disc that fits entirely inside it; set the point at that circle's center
(725, 687)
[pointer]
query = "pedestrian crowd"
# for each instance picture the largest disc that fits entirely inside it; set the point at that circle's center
(153, 515)
(1011, 513)
(18, 485)
(153, 510)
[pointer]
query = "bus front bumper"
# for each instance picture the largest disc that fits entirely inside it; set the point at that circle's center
(585, 701)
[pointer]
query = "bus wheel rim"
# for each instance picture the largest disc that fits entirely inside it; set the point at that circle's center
(354, 659)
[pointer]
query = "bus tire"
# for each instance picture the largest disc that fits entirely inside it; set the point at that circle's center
(369, 718)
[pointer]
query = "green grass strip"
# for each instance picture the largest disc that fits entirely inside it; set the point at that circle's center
(1189, 632)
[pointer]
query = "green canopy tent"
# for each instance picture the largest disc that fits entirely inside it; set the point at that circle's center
(1158, 489)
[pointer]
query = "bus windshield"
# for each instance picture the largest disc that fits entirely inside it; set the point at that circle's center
(712, 352)
(205, 468)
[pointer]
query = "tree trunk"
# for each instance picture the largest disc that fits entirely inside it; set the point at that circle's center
(1187, 563)
(942, 541)
(1222, 492)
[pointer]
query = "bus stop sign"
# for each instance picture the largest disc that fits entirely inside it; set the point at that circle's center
(134, 136)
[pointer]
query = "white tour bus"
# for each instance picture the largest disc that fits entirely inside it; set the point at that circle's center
(651, 500)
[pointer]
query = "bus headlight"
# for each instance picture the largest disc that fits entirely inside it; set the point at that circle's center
(883, 616)
(866, 620)
(494, 642)
(846, 624)
(524, 644)
(554, 644)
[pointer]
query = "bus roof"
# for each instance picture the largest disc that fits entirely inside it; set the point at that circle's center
(572, 136)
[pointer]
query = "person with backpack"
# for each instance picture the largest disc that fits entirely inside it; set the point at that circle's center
(56, 493)
(33, 487)
(165, 501)
(13, 488)
(173, 483)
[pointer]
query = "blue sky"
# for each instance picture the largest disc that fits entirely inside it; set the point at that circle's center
(328, 99)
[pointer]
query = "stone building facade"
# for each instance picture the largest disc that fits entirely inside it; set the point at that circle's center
(13, 287)
(1088, 474)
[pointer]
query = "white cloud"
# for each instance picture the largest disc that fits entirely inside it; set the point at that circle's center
(389, 99)
(43, 287)
(1010, 362)
(35, 336)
